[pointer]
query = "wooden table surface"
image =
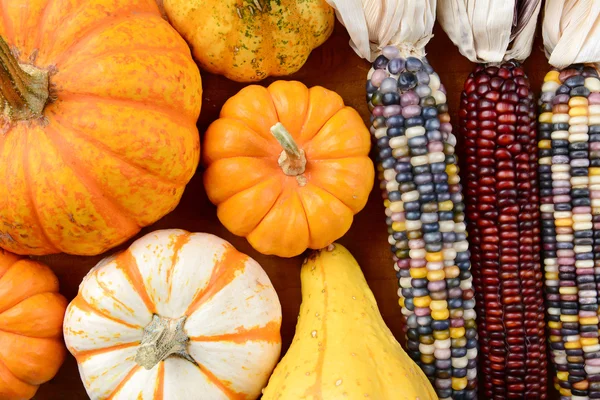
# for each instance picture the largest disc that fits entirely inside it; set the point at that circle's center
(334, 66)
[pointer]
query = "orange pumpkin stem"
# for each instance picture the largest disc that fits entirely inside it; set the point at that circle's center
(292, 159)
(23, 87)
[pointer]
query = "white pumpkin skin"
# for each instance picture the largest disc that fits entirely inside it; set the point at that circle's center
(232, 319)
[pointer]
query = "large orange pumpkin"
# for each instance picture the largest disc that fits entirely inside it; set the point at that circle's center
(99, 122)
(287, 166)
(31, 318)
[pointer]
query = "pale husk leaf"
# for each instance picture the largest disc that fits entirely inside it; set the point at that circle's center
(490, 31)
(374, 24)
(571, 32)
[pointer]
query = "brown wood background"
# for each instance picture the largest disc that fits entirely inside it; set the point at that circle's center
(334, 66)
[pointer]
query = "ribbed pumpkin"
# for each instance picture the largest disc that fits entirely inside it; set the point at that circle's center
(248, 40)
(287, 166)
(31, 317)
(99, 122)
(177, 316)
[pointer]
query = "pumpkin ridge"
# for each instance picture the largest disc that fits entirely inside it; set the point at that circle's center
(223, 273)
(267, 333)
(128, 264)
(317, 387)
(116, 50)
(108, 207)
(176, 116)
(227, 391)
(82, 356)
(101, 24)
(270, 209)
(83, 305)
(159, 389)
(3, 366)
(123, 382)
(26, 160)
(9, 30)
(107, 293)
(108, 151)
(305, 214)
(316, 181)
(42, 24)
(180, 241)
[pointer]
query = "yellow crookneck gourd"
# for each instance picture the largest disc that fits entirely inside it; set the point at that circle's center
(342, 348)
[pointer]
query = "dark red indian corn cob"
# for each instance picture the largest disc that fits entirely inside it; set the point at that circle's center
(498, 124)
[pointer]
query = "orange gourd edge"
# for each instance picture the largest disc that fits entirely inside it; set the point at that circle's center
(249, 40)
(98, 119)
(287, 166)
(31, 317)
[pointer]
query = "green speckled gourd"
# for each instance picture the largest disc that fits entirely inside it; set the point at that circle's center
(249, 40)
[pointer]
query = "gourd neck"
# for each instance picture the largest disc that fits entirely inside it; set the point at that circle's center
(24, 89)
(292, 159)
(163, 337)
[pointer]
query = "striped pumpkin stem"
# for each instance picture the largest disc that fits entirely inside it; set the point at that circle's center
(425, 216)
(497, 120)
(569, 167)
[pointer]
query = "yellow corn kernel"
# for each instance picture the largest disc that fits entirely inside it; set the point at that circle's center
(434, 276)
(545, 144)
(578, 101)
(418, 273)
(552, 76)
(457, 332)
(452, 272)
(446, 205)
(551, 275)
(555, 339)
(399, 226)
(401, 301)
(422, 301)
(588, 341)
(441, 335)
(440, 315)
(565, 392)
(437, 256)
(451, 169)
(459, 383)
(588, 321)
(562, 375)
(569, 318)
(554, 325)
(438, 305)
(427, 358)
(573, 345)
(594, 171)
(563, 222)
(578, 111)
(386, 203)
(545, 117)
(568, 290)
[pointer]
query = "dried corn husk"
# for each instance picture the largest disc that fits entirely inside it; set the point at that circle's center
(571, 31)
(374, 24)
(490, 31)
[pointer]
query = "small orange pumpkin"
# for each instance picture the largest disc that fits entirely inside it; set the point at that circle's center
(99, 101)
(287, 167)
(31, 318)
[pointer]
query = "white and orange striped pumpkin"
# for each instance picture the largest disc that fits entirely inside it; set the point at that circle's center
(176, 316)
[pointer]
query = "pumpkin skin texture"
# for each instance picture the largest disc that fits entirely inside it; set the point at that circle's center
(31, 317)
(114, 148)
(278, 212)
(223, 316)
(342, 348)
(249, 40)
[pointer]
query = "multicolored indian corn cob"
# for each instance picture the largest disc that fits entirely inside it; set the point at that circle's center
(498, 120)
(425, 215)
(569, 167)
